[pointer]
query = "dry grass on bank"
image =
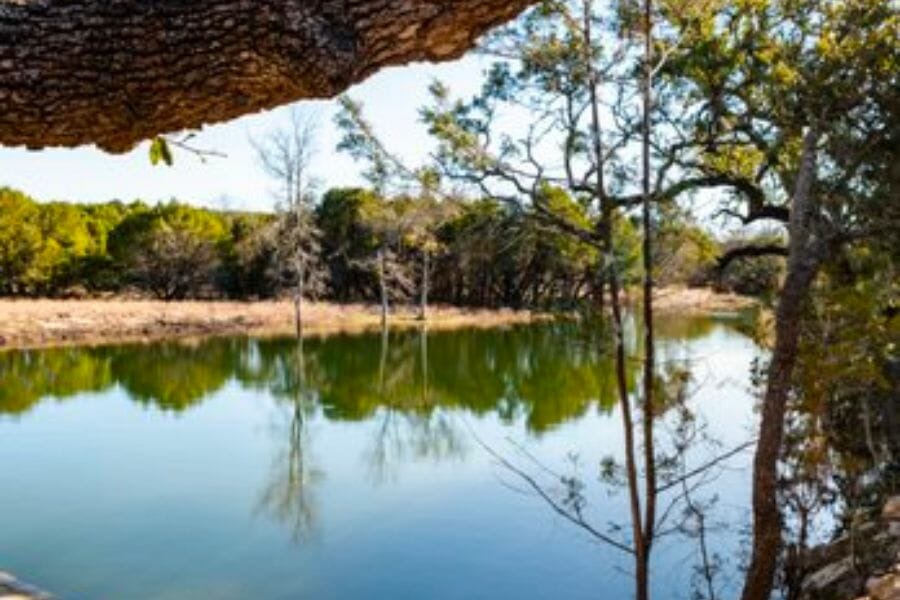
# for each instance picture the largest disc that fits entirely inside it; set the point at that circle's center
(698, 301)
(35, 323)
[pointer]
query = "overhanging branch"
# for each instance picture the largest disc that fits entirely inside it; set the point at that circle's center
(752, 251)
(113, 73)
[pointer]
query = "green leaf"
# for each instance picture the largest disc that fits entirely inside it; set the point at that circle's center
(159, 151)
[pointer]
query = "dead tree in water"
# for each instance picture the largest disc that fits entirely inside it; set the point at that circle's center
(285, 155)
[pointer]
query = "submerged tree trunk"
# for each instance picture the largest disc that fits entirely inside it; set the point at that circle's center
(78, 72)
(806, 249)
(382, 359)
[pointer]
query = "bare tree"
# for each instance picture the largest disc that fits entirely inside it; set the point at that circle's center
(568, 75)
(392, 272)
(286, 155)
(394, 280)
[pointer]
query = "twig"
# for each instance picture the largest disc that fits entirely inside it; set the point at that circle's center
(706, 466)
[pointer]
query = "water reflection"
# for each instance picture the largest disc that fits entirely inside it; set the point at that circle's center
(313, 428)
(303, 435)
(548, 375)
(289, 496)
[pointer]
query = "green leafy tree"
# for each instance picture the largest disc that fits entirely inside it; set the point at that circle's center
(685, 252)
(20, 241)
(794, 104)
(67, 241)
(171, 250)
(348, 240)
(248, 264)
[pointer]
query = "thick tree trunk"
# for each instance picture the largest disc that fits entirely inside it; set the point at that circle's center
(806, 248)
(115, 72)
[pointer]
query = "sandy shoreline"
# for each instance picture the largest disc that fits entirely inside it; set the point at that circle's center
(32, 323)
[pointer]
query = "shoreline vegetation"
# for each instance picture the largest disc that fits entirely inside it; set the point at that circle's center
(34, 323)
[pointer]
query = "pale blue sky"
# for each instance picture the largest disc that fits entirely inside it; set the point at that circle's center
(391, 99)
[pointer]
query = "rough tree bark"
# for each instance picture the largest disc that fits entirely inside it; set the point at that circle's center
(806, 249)
(115, 72)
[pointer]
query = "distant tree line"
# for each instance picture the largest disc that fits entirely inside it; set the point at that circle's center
(477, 252)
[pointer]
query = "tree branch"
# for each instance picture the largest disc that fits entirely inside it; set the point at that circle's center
(752, 251)
(76, 72)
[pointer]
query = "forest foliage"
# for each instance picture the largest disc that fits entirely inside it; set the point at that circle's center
(484, 253)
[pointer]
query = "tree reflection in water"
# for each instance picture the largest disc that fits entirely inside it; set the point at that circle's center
(289, 496)
(546, 374)
(409, 385)
(410, 388)
(410, 422)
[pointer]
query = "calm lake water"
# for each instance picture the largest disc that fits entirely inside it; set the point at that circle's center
(350, 467)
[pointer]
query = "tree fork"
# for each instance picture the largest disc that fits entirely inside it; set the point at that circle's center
(115, 72)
